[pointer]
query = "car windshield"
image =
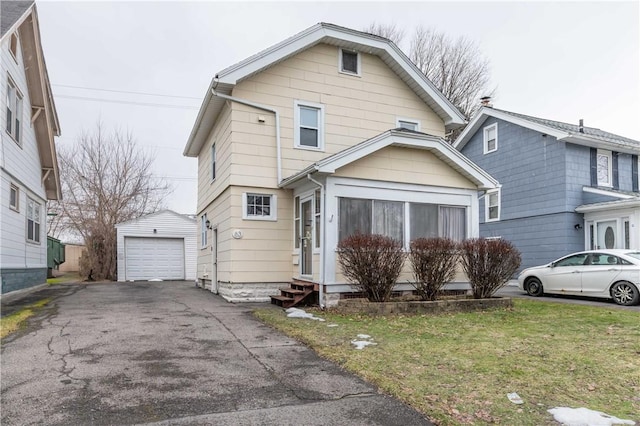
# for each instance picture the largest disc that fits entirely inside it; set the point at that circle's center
(635, 254)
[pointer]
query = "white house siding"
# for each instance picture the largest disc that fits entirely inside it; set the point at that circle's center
(22, 264)
(167, 224)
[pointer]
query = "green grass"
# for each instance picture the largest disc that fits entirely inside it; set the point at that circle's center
(458, 368)
(65, 278)
(12, 323)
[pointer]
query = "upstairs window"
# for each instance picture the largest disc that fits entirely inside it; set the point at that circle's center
(491, 138)
(492, 206)
(259, 206)
(213, 162)
(349, 62)
(14, 197)
(604, 169)
(33, 221)
(309, 125)
(407, 123)
(14, 111)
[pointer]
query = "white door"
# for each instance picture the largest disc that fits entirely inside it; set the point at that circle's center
(149, 258)
(607, 235)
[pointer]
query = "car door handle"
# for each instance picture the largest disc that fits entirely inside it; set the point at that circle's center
(612, 269)
(575, 272)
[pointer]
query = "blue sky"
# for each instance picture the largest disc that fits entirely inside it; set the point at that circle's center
(557, 60)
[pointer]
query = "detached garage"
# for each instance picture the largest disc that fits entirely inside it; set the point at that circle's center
(161, 245)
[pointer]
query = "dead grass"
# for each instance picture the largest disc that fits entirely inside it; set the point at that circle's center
(458, 368)
(12, 323)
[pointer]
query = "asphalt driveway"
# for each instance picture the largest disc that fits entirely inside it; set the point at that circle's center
(170, 353)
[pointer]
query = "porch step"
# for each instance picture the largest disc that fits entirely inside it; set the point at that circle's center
(298, 292)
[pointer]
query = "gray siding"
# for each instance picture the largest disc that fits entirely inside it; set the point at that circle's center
(22, 278)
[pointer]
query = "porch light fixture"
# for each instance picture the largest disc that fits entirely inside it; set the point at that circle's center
(208, 224)
(577, 227)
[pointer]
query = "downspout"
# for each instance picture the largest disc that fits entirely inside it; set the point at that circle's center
(264, 108)
(322, 241)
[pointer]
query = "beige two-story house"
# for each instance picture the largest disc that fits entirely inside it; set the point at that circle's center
(328, 133)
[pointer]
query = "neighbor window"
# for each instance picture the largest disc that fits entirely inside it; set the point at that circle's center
(349, 62)
(362, 216)
(604, 167)
(627, 235)
(259, 206)
(404, 123)
(491, 138)
(14, 111)
(33, 221)
(492, 205)
(309, 125)
(203, 230)
(13, 46)
(14, 197)
(213, 162)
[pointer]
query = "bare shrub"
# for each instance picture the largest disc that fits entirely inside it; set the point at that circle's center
(372, 263)
(434, 264)
(489, 264)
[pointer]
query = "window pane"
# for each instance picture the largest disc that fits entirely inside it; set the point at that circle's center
(308, 137)
(297, 232)
(266, 201)
(408, 125)
(297, 207)
(349, 61)
(491, 145)
(388, 219)
(308, 117)
(317, 200)
(13, 197)
(37, 232)
(30, 230)
(603, 169)
(354, 217)
(493, 212)
(453, 223)
(317, 245)
(424, 221)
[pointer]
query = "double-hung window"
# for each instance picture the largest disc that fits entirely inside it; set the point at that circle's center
(14, 111)
(259, 206)
(604, 170)
(309, 125)
(490, 135)
(14, 197)
(33, 221)
(492, 205)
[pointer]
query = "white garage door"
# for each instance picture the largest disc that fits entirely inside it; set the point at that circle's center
(148, 258)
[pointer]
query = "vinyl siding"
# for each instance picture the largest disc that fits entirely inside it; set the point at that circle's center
(356, 108)
(219, 213)
(168, 225)
(395, 164)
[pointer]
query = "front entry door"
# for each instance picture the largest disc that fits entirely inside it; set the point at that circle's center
(306, 243)
(606, 235)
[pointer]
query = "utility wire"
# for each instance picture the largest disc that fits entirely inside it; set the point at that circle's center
(126, 91)
(84, 98)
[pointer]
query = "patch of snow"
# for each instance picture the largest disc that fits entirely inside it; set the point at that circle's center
(363, 336)
(585, 417)
(515, 398)
(300, 313)
(361, 344)
(155, 279)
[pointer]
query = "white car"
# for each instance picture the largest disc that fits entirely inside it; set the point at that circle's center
(611, 274)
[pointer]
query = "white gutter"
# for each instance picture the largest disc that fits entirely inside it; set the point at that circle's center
(264, 108)
(322, 241)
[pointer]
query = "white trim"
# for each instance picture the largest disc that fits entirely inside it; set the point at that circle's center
(485, 140)
(297, 104)
(273, 207)
(358, 72)
(408, 120)
(609, 156)
(600, 191)
(486, 205)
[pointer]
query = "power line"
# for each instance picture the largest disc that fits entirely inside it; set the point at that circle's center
(126, 91)
(84, 98)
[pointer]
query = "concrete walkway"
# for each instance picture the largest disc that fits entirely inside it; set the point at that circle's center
(172, 354)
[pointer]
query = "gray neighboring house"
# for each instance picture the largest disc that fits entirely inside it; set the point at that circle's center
(565, 187)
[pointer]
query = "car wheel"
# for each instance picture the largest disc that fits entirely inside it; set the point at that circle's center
(625, 293)
(534, 287)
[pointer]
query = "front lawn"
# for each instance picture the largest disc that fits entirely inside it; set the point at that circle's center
(459, 368)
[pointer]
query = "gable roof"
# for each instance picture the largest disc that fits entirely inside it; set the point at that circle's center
(403, 138)
(589, 136)
(185, 217)
(225, 80)
(22, 17)
(11, 12)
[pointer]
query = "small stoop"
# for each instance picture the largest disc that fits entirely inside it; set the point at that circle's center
(298, 292)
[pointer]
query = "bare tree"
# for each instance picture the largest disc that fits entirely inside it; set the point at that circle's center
(106, 179)
(390, 31)
(456, 67)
